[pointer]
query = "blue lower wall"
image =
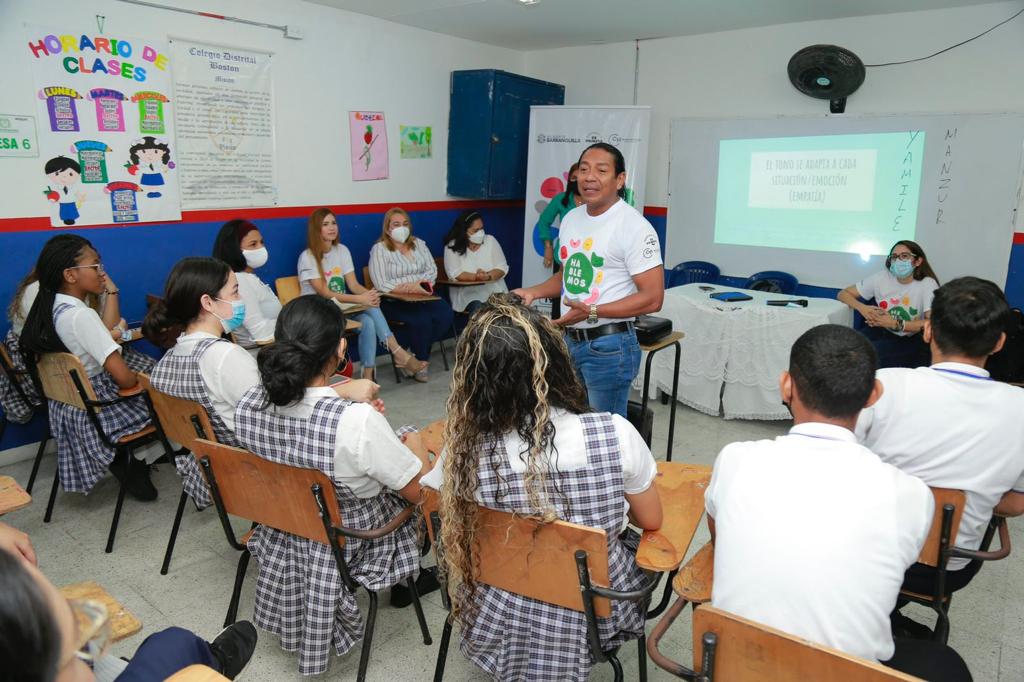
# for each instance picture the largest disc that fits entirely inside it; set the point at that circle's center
(140, 257)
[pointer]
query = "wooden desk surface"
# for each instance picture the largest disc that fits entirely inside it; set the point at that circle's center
(351, 308)
(12, 496)
(410, 298)
(196, 673)
(122, 622)
(661, 343)
(352, 325)
(457, 283)
(136, 334)
(681, 488)
(432, 436)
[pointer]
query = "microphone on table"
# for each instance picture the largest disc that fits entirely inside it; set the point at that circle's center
(802, 302)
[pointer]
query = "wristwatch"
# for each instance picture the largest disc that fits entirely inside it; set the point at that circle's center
(592, 317)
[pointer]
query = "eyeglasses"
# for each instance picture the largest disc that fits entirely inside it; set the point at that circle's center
(93, 629)
(906, 255)
(98, 266)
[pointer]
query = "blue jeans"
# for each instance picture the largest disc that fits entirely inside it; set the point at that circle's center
(165, 653)
(607, 366)
(375, 330)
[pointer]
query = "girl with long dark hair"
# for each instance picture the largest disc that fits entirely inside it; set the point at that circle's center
(471, 255)
(240, 244)
(295, 417)
(60, 321)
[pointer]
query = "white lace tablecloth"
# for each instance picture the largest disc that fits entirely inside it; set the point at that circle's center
(733, 352)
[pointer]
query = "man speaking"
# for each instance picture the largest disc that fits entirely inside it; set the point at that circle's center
(612, 272)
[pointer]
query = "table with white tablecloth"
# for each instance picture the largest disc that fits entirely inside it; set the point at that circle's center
(734, 351)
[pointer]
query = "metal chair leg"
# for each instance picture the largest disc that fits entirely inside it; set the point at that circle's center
(174, 533)
(442, 651)
(394, 366)
(236, 593)
(642, 657)
(665, 597)
(120, 503)
(35, 464)
(941, 633)
(371, 622)
(53, 495)
(616, 666)
(419, 611)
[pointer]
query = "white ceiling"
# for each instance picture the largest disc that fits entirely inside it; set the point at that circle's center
(563, 23)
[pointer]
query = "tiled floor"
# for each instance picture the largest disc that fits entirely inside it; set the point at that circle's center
(987, 617)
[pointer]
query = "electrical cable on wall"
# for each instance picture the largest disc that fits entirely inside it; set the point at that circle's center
(947, 49)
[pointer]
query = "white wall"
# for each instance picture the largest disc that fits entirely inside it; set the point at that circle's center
(743, 73)
(346, 61)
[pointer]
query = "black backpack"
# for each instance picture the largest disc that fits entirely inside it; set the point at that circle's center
(1008, 364)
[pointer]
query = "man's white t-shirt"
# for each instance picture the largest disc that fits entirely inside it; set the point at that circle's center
(638, 466)
(952, 427)
(813, 536)
(84, 334)
(336, 263)
(601, 255)
(367, 453)
(908, 301)
(228, 372)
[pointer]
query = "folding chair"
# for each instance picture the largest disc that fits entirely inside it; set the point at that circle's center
(15, 377)
(559, 563)
(63, 379)
(287, 288)
(398, 323)
(940, 547)
(293, 500)
(733, 649)
(182, 421)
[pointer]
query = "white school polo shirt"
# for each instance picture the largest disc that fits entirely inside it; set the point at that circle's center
(228, 372)
(601, 255)
(952, 427)
(638, 466)
(367, 453)
(84, 334)
(814, 534)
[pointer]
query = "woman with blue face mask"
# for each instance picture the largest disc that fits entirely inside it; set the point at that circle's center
(240, 245)
(902, 295)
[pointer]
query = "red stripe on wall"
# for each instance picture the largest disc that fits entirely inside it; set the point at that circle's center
(1018, 237)
(41, 223)
(660, 211)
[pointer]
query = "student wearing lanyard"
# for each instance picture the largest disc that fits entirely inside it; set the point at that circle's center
(612, 272)
(812, 532)
(951, 425)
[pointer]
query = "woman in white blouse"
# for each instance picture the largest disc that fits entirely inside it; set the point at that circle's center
(470, 255)
(402, 264)
(240, 245)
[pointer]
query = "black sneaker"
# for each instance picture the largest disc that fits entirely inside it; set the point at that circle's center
(233, 648)
(908, 628)
(138, 484)
(426, 582)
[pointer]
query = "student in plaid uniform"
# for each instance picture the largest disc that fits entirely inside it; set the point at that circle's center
(297, 418)
(202, 366)
(521, 438)
(59, 321)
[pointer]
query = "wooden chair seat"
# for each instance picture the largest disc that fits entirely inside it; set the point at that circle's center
(12, 496)
(921, 597)
(131, 437)
(694, 582)
(287, 288)
(196, 673)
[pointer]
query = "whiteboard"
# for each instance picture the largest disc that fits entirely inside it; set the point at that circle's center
(970, 189)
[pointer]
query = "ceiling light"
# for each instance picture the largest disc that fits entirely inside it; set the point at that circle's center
(529, 2)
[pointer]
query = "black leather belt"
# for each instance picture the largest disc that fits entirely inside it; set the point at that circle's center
(597, 332)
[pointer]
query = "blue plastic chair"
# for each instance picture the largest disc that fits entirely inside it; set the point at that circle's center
(783, 280)
(693, 272)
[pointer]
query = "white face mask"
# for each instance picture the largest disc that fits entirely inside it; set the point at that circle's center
(477, 237)
(256, 258)
(400, 234)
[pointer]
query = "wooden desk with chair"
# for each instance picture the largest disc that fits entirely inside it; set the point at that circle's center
(197, 673)
(12, 496)
(123, 623)
(293, 500)
(64, 380)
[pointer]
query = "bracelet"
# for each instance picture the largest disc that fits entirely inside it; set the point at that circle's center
(900, 324)
(114, 293)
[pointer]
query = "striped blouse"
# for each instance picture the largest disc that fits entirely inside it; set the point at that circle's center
(388, 269)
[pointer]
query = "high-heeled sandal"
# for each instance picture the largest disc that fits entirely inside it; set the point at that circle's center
(411, 366)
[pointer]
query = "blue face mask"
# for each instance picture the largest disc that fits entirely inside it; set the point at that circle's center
(232, 323)
(901, 268)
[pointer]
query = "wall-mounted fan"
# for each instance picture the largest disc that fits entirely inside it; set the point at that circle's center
(826, 72)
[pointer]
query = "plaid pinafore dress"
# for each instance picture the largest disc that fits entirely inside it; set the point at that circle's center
(14, 407)
(82, 457)
(178, 375)
(517, 638)
(299, 593)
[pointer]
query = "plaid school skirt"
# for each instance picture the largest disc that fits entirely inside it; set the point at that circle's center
(82, 456)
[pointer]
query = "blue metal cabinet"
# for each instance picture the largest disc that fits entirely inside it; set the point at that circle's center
(488, 125)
